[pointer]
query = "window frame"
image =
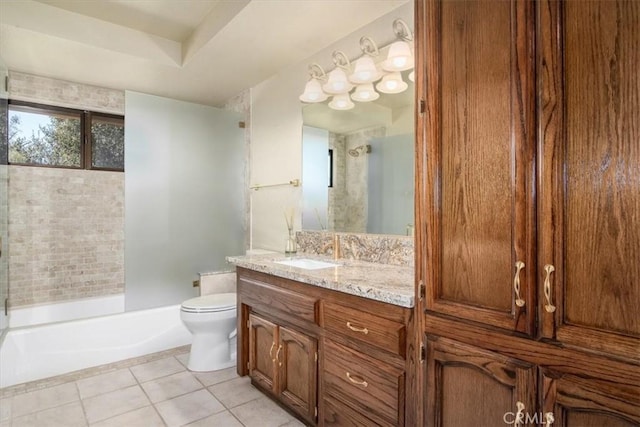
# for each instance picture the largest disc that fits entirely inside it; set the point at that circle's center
(86, 139)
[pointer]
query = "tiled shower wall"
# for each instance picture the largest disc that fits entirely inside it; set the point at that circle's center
(66, 227)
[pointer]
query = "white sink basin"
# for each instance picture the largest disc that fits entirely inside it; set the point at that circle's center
(307, 264)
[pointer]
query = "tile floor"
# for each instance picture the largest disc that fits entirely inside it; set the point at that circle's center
(160, 392)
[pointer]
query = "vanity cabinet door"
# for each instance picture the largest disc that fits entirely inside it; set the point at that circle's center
(571, 401)
(263, 346)
(480, 162)
(297, 361)
(468, 386)
(590, 222)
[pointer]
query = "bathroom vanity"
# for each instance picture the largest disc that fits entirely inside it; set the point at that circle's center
(331, 344)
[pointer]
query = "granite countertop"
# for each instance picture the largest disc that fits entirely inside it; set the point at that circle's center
(381, 282)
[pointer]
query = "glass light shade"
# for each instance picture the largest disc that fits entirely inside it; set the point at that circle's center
(313, 92)
(392, 83)
(337, 83)
(412, 76)
(341, 102)
(365, 93)
(399, 58)
(365, 71)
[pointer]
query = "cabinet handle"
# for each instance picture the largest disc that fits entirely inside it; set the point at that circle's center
(520, 414)
(356, 329)
(516, 284)
(357, 380)
(548, 419)
(278, 355)
(271, 352)
(547, 288)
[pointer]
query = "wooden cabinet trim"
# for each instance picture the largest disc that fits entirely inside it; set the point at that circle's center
(563, 392)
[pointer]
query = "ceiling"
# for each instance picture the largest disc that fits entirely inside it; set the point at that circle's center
(203, 51)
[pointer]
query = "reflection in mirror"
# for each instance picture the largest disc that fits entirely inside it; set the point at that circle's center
(373, 149)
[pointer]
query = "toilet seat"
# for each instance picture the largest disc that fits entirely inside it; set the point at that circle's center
(210, 303)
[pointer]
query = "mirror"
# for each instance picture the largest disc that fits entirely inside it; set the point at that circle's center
(357, 165)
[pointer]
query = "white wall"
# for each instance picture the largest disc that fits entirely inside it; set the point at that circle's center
(276, 127)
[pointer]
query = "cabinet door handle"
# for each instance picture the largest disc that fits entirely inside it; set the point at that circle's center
(278, 355)
(356, 329)
(547, 288)
(516, 284)
(271, 352)
(520, 414)
(357, 380)
(548, 419)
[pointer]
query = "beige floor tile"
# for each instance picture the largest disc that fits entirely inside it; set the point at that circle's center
(174, 385)
(188, 408)
(156, 369)
(222, 419)
(261, 413)
(216, 377)
(143, 417)
(105, 383)
(69, 415)
(5, 423)
(235, 392)
(40, 400)
(5, 408)
(183, 358)
(114, 403)
(293, 423)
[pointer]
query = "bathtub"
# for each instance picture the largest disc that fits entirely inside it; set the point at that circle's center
(34, 352)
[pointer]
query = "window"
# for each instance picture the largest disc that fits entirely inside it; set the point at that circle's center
(41, 135)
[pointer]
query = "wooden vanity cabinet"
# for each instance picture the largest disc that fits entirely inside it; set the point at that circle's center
(528, 209)
(283, 361)
(332, 359)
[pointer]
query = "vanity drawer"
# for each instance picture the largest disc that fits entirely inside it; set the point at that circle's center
(368, 328)
(364, 383)
(267, 297)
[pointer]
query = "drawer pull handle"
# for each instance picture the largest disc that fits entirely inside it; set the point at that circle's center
(549, 419)
(278, 355)
(271, 352)
(516, 284)
(547, 288)
(356, 380)
(356, 329)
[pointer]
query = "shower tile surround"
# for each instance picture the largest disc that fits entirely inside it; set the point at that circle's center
(66, 225)
(152, 390)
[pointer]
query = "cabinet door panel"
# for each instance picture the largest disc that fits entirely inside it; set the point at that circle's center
(481, 144)
(263, 342)
(584, 402)
(591, 173)
(297, 372)
(470, 386)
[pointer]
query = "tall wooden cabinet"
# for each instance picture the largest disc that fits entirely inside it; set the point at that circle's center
(528, 211)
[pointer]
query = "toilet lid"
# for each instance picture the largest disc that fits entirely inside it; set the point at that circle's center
(210, 303)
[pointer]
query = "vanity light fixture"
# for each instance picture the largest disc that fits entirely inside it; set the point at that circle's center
(341, 102)
(400, 57)
(365, 70)
(365, 93)
(392, 83)
(365, 73)
(338, 83)
(412, 76)
(313, 89)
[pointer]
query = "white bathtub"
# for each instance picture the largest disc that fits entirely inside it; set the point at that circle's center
(35, 352)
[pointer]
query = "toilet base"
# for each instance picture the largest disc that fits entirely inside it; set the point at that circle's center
(208, 353)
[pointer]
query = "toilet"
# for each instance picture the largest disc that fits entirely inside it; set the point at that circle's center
(212, 321)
